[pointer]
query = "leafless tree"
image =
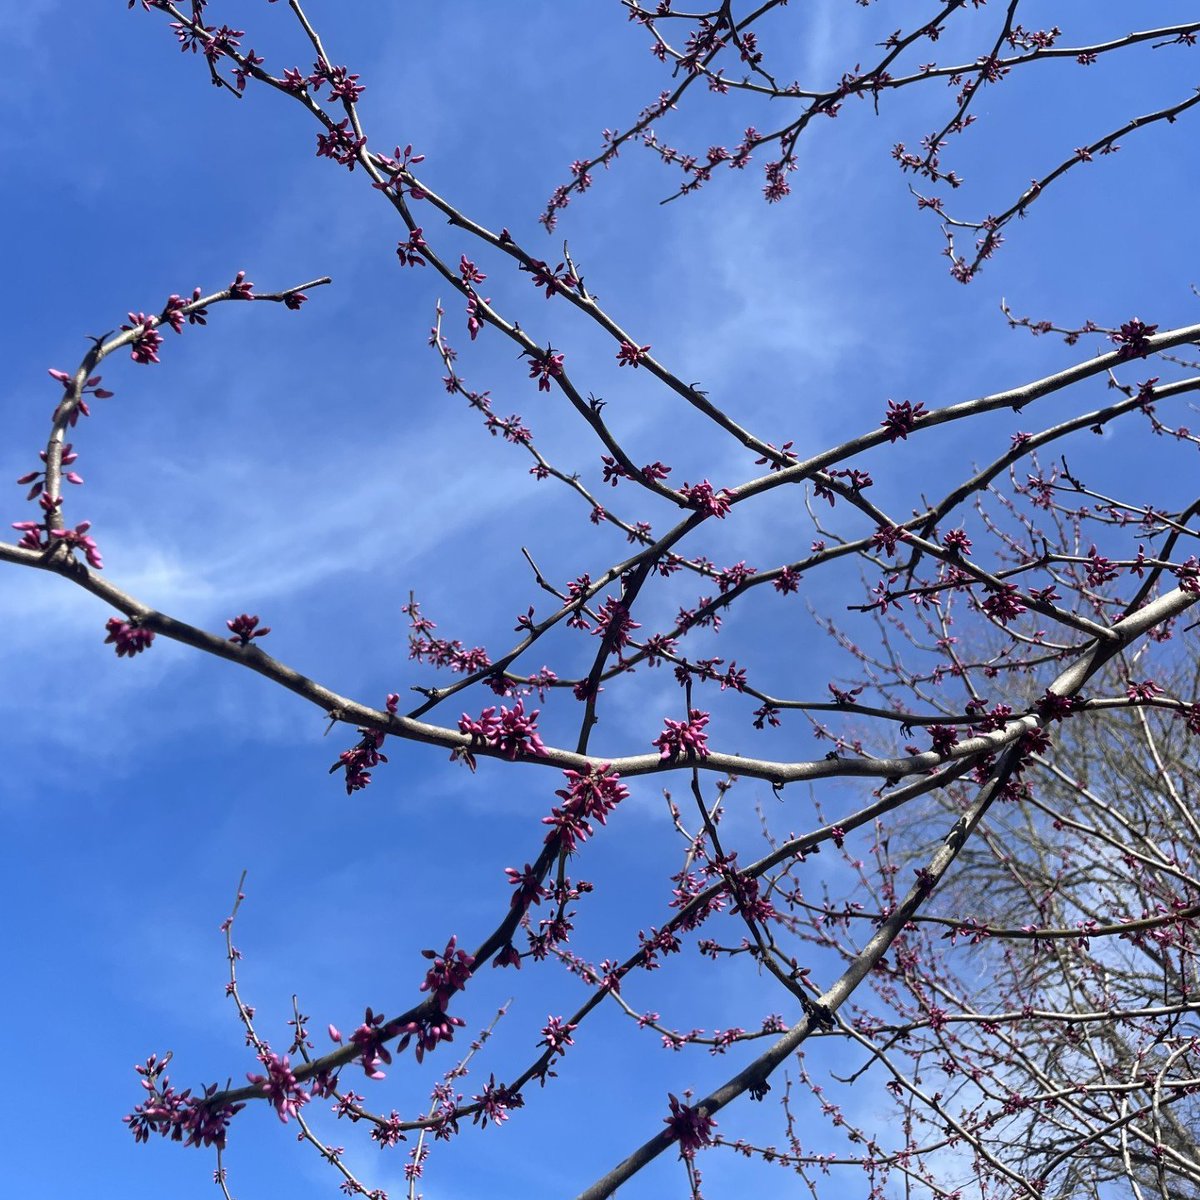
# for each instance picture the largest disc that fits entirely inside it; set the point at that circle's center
(1026, 992)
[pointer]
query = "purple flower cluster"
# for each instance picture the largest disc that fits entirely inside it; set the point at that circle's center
(902, 419)
(358, 760)
(686, 738)
(589, 796)
(245, 628)
(127, 637)
(494, 1102)
(1133, 339)
(546, 367)
(369, 1038)
(513, 733)
(630, 355)
(688, 1125)
(280, 1086)
(449, 974)
(703, 498)
(179, 1116)
(144, 347)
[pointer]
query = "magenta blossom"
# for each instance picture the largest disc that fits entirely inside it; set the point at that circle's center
(409, 252)
(1133, 339)
(546, 367)
(280, 1086)
(428, 1032)
(79, 539)
(556, 1035)
(241, 288)
(358, 761)
(1003, 603)
(144, 347)
(245, 628)
(514, 732)
(690, 1126)
(494, 1103)
(180, 1116)
(702, 498)
(685, 738)
(449, 974)
(369, 1038)
(128, 638)
(957, 540)
(614, 621)
(589, 796)
(901, 419)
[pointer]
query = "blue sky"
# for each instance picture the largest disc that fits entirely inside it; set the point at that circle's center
(310, 467)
